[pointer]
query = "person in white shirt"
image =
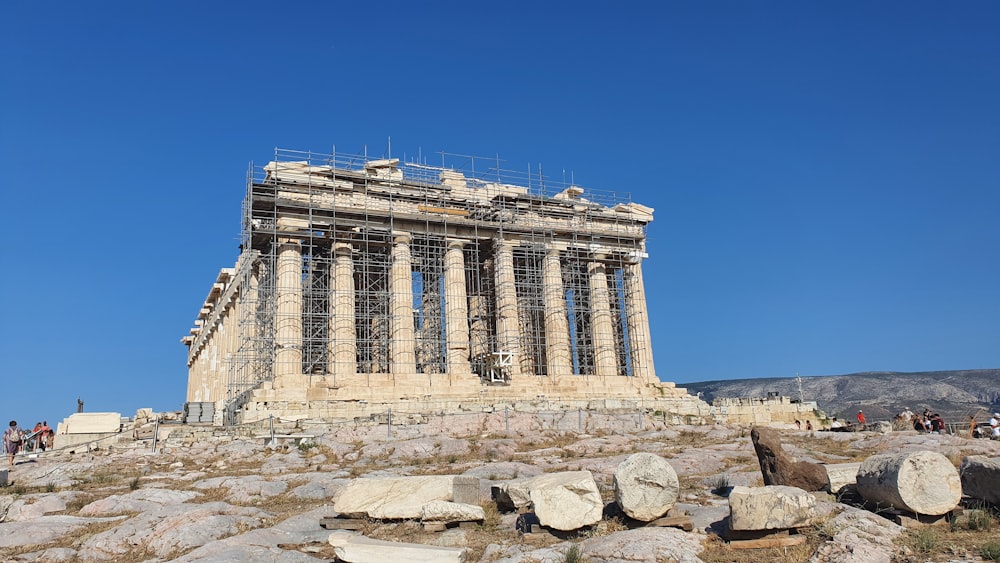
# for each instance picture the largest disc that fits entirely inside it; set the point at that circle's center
(995, 425)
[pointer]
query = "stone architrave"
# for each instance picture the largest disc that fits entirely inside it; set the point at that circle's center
(772, 507)
(646, 486)
(352, 547)
(456, 309)
(392, 498)
(779, 468)
(981, 478)
(923, 482)
(402, 346)
(602, 327)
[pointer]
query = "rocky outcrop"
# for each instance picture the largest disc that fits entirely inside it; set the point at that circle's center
(780, 468)
(980, 477)
(922, 482)
(772, 507)
(860, 537)
(646, 486)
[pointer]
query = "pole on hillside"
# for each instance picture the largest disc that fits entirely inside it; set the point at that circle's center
(388, 423)
(156, 431)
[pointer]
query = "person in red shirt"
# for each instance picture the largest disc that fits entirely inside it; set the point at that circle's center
(861, 417)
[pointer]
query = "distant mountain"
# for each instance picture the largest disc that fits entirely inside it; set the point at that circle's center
(882, 395)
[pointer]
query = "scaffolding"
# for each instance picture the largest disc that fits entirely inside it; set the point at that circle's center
(346, 215)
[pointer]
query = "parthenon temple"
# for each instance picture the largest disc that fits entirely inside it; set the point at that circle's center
(371, 284)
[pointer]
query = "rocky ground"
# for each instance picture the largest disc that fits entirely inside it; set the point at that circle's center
(215, 497)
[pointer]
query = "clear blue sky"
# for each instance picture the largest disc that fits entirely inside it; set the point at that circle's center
(826, 175)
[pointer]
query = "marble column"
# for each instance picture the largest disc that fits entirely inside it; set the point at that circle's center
(602, 328)
(637, 320)
(402, 356)
(456, 309)
(559, 361)
(508, 317)
(288, 320)
(343, 347)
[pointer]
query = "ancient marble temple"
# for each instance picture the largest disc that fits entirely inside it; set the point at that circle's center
(367, 284)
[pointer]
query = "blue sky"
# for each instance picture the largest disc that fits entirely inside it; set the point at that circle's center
(826, 176)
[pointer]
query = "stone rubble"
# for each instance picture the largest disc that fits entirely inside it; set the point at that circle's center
(213, 498)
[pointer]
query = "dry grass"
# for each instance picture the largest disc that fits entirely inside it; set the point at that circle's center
(972, 533)
(718, 551)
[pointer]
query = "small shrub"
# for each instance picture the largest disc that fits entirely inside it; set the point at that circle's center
(134, 483)
(574, 555)
(990, 551)
(18, 489)
(452, 458)
(980, 520)
(492, 520)
(721, 485)
(925, 540)
(50, 487)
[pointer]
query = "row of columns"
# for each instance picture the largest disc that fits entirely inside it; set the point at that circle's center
(343, 341)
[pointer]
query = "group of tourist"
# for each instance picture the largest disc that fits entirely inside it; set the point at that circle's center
(15, 439)
(926, 422)
(994, 427)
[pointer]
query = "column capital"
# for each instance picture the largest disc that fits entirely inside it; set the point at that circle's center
(458, 243)
(342, 248)
(401, 237)
(504, 244)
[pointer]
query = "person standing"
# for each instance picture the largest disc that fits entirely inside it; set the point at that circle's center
(12, 438)
(861, 418)
(36, 441)
(47, 436)
(995, 425)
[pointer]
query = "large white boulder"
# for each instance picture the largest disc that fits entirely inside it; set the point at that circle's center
(392, 498)
(566, 501)
(774, 507)
(922, 482)
(646, 486)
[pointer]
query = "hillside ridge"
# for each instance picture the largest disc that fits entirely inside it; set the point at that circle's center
(955, 394)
